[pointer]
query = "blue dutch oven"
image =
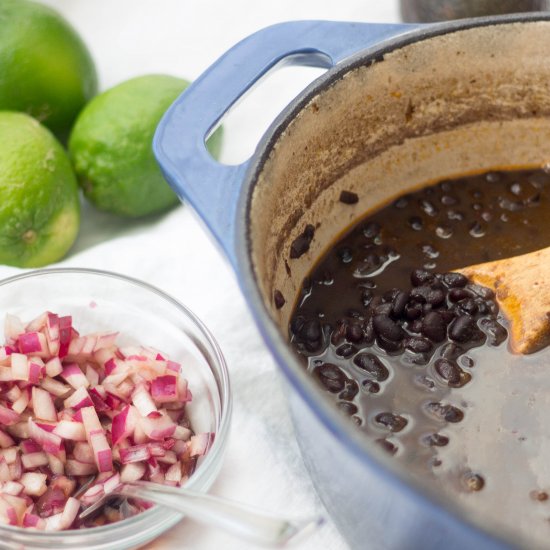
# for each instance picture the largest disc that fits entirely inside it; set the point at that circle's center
(399, 105)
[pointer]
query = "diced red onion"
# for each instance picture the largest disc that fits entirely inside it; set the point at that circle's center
(43, 405)
(33, 343)
(124, 424)
(7, 416)
(34, 460)
(79, 399)
(102, 451)
(50, 442)
(137, 453)
(68, 429)
(74, 376)
(77, 468)
(118, 404)
(34, 483)
(54, 367)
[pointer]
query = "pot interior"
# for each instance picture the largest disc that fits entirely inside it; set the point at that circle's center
(470, 101)
(464, 102)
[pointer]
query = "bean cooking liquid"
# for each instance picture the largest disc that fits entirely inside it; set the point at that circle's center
(417, 355)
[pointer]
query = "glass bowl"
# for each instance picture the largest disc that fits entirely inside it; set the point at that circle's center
(103, 301)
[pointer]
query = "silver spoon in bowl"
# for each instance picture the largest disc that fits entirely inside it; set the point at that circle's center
(238, 519)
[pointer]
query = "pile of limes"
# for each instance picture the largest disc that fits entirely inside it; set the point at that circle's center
(47, 86)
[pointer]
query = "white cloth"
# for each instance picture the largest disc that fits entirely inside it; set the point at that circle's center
(127, 38)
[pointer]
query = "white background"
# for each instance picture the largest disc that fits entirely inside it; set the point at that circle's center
(183, 37)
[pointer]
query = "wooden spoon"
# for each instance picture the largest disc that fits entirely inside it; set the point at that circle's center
(522, 288)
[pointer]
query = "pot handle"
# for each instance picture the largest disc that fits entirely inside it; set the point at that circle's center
(179, 143)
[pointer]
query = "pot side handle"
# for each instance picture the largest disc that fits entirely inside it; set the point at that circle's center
(212, 188)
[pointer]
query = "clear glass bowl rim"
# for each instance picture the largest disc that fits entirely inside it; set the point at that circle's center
(215, 452)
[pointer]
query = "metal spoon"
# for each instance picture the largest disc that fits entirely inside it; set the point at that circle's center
(238, 519)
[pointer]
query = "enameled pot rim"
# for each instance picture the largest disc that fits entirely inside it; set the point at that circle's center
(343, 430)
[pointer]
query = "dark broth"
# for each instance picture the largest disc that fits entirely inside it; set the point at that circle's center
(446, 406)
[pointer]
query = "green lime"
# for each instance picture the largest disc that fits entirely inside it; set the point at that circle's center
(111, 146)
(45, 69)
(39, 206)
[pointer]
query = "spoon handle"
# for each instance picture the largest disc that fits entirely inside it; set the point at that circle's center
(238, 519)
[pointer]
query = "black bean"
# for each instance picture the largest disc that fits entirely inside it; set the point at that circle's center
(388, 329)
(455, 214)
(346, 350)
(466, 361)
(416, 223)
(313, 346)
(390, 346)
(428, 207)
(533, 200)
(373, 365)
(433, 327)
(435, 297)
(444, 231)
(399, 303)
(496, 333)
(331, 376)
(417, 344)
(366, 297)
(311, 330)
(468, 305)
(391, 421)
(368, 332)
(339, 332)
(383, 309)
(354, 332)
(448, 370)
(368, 266)
(482, 291)
(401, 202)
(347, 407)
(447, 315)
(371, 230)
(449, 413)
(449, 200)
(345, 254)
(350, 390)
(296, 324)
(421, 277)
(512, 206)
(425, 381)
(300, 245)
(482, 307)
(388, 446)
(457, 294)
(464, 329)
(451, 351)
(348, 197)
(327, 278)
(429, 250)
(388, 296)
(279, 299)
(455, 280)
(367, 284)
(413, 311)
(435, 440)
(422, 358)
(416, 326)
(420, 293)
(370, 386)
